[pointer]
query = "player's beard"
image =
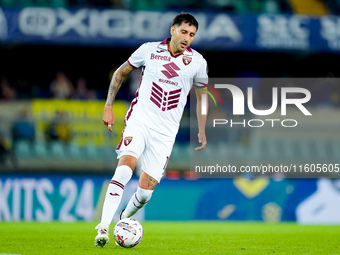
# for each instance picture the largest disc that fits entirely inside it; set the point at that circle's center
(179, 47)
(185, 46)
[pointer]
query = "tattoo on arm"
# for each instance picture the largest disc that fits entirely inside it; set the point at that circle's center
(116, 82)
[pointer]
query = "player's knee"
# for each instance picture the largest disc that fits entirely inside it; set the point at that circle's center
(127, 160)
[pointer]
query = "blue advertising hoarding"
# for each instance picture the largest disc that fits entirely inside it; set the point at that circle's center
(56, 197)
(80, 197)
(124, 28)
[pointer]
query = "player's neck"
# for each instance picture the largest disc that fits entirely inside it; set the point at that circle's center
(172, 49)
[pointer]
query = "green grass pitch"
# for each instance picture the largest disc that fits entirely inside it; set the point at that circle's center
(172, 238)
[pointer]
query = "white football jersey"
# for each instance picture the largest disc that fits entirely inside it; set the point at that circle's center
(165, 84)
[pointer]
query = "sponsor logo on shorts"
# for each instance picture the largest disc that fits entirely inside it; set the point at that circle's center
(127, 140)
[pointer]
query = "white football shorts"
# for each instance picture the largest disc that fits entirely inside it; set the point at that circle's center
(152, 147)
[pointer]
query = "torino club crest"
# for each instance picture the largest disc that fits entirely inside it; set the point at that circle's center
(127, 140)
(186, 60)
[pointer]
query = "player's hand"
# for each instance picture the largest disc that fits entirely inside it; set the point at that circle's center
(109, 117)
(203, 140)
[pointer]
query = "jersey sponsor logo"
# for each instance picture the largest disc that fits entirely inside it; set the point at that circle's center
(170, 71)
(186, 60)
(159, 57)
(165, 100)
(168, 82)
(127, 140)
(115, 194)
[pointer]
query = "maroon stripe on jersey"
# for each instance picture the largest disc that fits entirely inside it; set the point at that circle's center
(120, 144)
(159, 89)
(154, 100)
(174, 97)
(165, 41)
(134, 102)
(117, 183)
(172, 106)
(173, 102)
(157, 86)
(156, 97)
(156, 91)
(175, 91)
(140, 82)
(132, 65)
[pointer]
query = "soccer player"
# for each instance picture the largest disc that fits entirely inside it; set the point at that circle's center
(169, 69)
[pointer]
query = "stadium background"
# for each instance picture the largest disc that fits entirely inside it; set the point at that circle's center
(56, 156)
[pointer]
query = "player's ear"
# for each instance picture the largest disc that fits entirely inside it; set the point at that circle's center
(172, 30)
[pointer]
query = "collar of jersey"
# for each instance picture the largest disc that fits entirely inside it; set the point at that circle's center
(164, 46)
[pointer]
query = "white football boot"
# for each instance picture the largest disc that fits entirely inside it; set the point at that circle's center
(102, 237)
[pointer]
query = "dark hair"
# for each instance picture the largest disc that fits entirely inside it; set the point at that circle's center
(186, 18)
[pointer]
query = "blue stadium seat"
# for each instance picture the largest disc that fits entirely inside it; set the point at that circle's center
(288, 148)
(305, 149)
(58, 150)
(74, 151)
(23, 149)
(320, 148)
(40, 150)
(91, 151)
(335, 148)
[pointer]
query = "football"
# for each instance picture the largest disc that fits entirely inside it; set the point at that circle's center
(128, 233)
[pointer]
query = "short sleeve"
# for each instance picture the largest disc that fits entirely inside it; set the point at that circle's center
(201, 77)
(137, 59)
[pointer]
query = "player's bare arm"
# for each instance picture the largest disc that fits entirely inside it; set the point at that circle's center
(115, 84)
(201, 119)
